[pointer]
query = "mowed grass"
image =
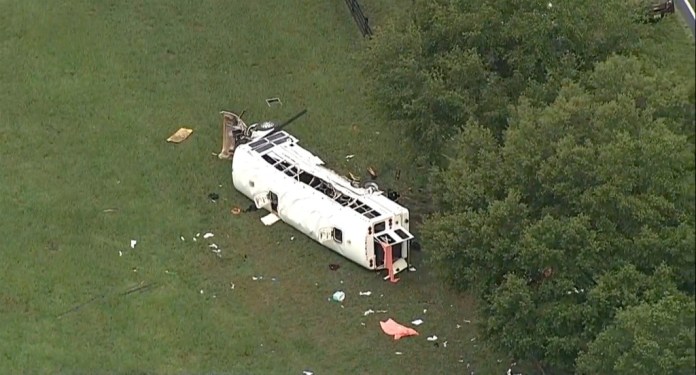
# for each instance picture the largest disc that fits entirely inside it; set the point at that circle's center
(90, 90)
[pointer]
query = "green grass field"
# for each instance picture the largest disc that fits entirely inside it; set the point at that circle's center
(90, 91)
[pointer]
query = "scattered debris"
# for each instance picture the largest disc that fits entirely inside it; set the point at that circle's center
(412, 269)
(292, 238)
(444, 344)
(213, 246)
(334, 267)
(398, 353)
(213, 196)
(393, 195)
(338, 296)
(182, 238)
(372, 172)
(458, 326)
(270, 219)
(365, 293)
(208, 235)
(180, 135)
(133, 243)
(432, 338)
(467, 321)
(397, 175)
(417, 322)
(392, 328)
(425, 311)
(236, 210)
(198, 234)
(368, 312)
(202, 291)
(120, 253)
(273, 101)
(110, 210)
(232, 286)
(348, 157)
(353, 177)
(307, 372)
(257, 278)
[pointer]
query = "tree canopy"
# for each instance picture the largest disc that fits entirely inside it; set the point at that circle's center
(457, 60)
(564, 178)
(586, 207)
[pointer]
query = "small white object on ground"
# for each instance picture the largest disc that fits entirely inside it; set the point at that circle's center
(467, 321)
(444, 344)
(256, 278)
(133, 242)
(425, 311)
(120, 253)
(270, 219)
(365, 293)
(398, 353)
(198, 234)
(417, 322)
(412, 269)
(213, 246)
(307, 372)
(201, 291)
(208, 235)
(182, 238)
(350, 156)
(339, 296)
(432, 338)
(368, 312)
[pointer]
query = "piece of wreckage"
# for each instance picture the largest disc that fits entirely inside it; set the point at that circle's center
(360, 223)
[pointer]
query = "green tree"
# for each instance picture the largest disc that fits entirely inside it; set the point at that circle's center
(452, 61)
(587, 207)
(648, 338)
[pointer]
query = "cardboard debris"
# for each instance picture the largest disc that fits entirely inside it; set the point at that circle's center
(270, 219)
(180, 135)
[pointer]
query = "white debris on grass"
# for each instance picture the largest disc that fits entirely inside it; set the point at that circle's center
(208, 235)
(257, 278)
(182, 238)
(368, 312)
(120, 253)
(444, 344)
(417, 322)
(349, 156)
(365, 293)
(213, 246)
(133, 243)
(412, 269)
(432, 338)
(398, 353)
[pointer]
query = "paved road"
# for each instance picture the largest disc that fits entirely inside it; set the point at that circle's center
(687, 11)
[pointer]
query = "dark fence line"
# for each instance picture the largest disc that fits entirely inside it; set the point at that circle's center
(359, 17)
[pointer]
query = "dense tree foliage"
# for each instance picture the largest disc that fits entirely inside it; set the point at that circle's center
(587, 207)
(649, 338)
(458, 60)
(565, 182)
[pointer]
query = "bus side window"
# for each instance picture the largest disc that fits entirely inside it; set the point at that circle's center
(338, 235)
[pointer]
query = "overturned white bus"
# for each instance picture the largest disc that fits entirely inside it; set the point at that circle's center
(360, 223)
